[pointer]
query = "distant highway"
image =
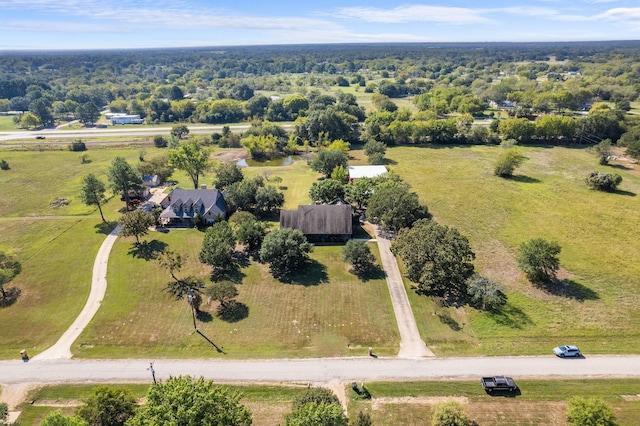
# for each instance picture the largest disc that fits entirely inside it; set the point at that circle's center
(115, 132)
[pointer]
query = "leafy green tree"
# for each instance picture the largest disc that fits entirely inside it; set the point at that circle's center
(375, 151)
(218, 246)
(260, 146)
(601, 181)
(508, 160)
(88, 113)
(185, 401)
(9, 268)
(123, 177)
(603, 151)
(314, 414)
(450, 413)
(179, 130)
(359, 191)
(108, 407)
(227, 174)
(136, 223)
(325, 191)
(325, 161)
(295, 104)
(486, 294)
(4, 412)
(92, 192)
(589, 412)
(41, 108)
(160, 141)
(268, 200)
(340, 174)
(538, 259)
(437, 258)
(56, 418)
(318, 395)
(285, 250)
(222, 291)
(191, 158)
(633, 149)
(251, 233)
(394, 207)
(158, 165)
(358, 254)
(30, 121)
(242, 195)
(520, 129)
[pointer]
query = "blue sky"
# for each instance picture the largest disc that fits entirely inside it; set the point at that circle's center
(94, 24)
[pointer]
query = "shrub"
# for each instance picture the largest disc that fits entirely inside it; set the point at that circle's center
(4, 165)
(77, 145)
(486, 294)
(450, 413)
(601, 181)
(507, 162)
(315, 395)
(538, 259)
(589, 412)
(160, 141)
(359, 255)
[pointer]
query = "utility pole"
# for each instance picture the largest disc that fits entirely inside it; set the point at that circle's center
(153, 372)
(193, 311)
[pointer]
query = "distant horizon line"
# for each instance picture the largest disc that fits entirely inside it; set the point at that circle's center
(236, 46)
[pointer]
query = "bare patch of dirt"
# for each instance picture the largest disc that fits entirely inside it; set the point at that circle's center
(631, 397)
(231, 155)
(376, 403)
(58, 403)
(15, 395)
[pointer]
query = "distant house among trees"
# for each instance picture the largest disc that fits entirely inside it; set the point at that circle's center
(358, 172)
(320, 223)
(121, 118)
(183, 207)
(150, 181)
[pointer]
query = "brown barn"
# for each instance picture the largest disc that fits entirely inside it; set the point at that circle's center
(320, 223)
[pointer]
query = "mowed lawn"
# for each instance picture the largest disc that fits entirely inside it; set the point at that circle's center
(322, 311)
(57, 258)
(540, 402)
(594, 307)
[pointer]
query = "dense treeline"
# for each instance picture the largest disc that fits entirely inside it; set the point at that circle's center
(448, 83)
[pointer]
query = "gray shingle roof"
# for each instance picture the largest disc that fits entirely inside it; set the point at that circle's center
(319, 219)
(186, 203)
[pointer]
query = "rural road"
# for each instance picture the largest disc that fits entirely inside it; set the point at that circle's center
(316, 370)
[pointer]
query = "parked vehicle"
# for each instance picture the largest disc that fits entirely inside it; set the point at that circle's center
(41, 137)
(498, 383)
(567, 351)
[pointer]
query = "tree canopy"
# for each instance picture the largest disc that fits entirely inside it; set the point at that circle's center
(438, 258)
(284, 250)
(218, 246)
(123, 177)
(186, 401)
(92, 192)
(538, 259)
(108, 407)
(136, 223)
(191, 158)
(394, 207)
(9, 268)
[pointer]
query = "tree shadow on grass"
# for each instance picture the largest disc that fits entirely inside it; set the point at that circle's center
(204, 316)
(376, 273)
(148, 250)
(524, 179)
(570, 289)
(619, 166)
(627, 193)
(105, 227)
(445, 318)
(511, 316)
(310, 273)
(12, 294)
(232, 311)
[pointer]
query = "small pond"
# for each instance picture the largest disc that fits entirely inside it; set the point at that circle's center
(276, 162)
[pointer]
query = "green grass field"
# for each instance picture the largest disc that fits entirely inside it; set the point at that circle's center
(268, 403)
(7, 124)
(325, 311)
(594, 307)
(541, 402)
(396, 403)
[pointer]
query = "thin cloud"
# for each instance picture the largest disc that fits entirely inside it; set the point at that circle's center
(621, 14)
(416, 13)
